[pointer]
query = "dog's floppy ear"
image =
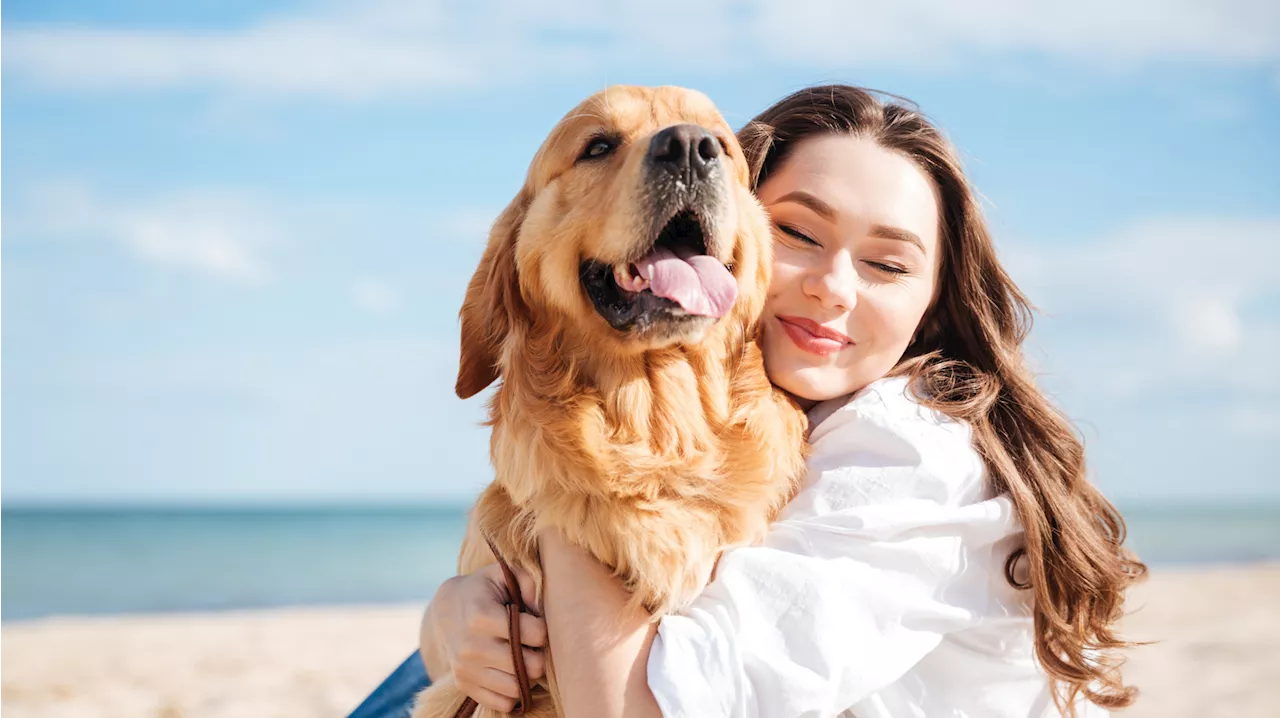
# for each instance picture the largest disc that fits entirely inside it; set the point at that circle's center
(492, 303)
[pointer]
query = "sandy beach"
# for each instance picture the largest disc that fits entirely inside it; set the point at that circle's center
(1218, 655)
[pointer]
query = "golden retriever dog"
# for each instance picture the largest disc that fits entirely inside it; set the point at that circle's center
(617, 299)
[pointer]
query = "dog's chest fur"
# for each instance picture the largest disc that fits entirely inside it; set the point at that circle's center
(653, 463)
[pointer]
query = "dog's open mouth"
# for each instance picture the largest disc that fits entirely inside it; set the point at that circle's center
(675, 279)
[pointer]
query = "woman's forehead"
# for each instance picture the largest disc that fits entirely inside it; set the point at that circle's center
(858, 179)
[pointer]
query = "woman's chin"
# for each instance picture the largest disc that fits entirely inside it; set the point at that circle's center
(810, 385)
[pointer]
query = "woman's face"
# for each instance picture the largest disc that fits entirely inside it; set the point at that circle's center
(856, 257)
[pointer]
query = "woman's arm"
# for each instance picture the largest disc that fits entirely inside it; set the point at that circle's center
(889, 547)
(601, 646)
(829, 611)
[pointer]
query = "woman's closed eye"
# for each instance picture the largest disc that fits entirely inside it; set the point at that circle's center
(796, 234)
(889, 268)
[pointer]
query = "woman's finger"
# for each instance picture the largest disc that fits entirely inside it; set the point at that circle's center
(481, 652)
(533, 631)
(499, 682)
(536, 663)
(489, 699)
(492, 653)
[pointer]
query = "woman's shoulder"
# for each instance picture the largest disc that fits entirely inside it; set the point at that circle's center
(883, 433)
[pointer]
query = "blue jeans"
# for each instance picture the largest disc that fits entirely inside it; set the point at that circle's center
(394, 698)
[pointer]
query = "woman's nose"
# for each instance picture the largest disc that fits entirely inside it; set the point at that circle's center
(835, 284)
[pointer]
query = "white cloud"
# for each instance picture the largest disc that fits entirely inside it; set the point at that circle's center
(375, 296)
(1194, 273)
(1209, 325)
(1173, 301)
(378, 49)
(350, 53)
(219, 234)
(295, 56)
(1090, 31)
(189, 238)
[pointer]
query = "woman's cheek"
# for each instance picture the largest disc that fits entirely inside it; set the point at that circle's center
(785, 268)
(779, 295)
(897, 317)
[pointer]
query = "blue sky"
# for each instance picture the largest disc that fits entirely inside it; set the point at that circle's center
(236, 234)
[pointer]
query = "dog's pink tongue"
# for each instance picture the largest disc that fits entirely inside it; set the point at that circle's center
(698, 283)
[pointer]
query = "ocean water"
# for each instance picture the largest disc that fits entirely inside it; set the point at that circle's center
(95, 561)
(83, 561)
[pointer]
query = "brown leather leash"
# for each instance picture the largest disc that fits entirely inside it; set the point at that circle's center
(515, 606)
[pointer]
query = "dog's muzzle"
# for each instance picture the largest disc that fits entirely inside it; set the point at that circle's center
(673, 283)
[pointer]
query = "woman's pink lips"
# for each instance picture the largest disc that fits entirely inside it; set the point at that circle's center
(813, 337)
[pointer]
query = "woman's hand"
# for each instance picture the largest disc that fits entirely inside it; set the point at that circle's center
(467, 623)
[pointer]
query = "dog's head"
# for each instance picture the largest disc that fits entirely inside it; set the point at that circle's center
(635, 228)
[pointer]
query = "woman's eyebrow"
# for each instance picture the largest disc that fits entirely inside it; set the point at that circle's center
(822, 209)
(827, 212)
(902, 235)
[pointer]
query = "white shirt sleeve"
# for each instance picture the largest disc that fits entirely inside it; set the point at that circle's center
(889, 545)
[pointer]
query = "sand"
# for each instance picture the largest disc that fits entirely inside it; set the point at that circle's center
(1218, 655)
(1218, 650)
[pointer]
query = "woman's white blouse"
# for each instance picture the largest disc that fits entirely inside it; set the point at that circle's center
(880, 588)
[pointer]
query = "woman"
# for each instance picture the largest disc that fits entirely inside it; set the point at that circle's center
(946, 554)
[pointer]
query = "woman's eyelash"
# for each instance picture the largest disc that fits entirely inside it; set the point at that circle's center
(792, 231)
(887, 268)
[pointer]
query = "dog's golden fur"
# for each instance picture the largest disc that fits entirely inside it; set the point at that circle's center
(653, 451)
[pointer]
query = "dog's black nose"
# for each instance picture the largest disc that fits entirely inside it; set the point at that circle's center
(685, 150)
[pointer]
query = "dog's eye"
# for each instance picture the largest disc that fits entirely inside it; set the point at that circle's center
(598, 147)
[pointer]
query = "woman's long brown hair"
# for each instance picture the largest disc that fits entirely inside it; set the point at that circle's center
(967, 362)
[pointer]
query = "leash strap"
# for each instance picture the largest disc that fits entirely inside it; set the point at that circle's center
(515, 606)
